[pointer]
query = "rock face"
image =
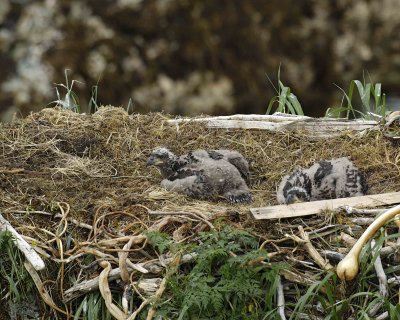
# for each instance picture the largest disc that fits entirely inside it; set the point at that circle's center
(189, 57)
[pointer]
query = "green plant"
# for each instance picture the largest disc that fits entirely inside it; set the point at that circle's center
(71, 99)
(160, 241)
(92, 307)
(222, 283)
(286, 100)
(308, 299)
(12, 268)
(15, 282)
(358, 304)
(373, 102)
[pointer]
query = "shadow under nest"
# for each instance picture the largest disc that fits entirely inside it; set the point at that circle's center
(83, 179)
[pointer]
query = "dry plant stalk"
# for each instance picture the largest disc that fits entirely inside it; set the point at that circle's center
(122, 257)
(42, 290)
(106, 293)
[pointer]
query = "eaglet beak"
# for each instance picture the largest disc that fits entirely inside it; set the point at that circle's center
(293, 199)
(150, 161)
(153, 161)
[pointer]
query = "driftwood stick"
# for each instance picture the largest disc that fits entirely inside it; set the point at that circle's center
(383, 316)
(86, 286)
(315, 207)
(30, 254)
(321, 127)
(385, 251)
(362, 221)
(383, 284)
(281, 299)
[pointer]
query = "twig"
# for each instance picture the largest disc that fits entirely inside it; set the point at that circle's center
(76, 222)
(396, 257)
(313, 252)
(332, 255)
(12, 171)
(281, 299)
(26, 249)
(352, 210)
(326, 230)
(362, 221)
(182, 213)
(347, 239)
(296, 277)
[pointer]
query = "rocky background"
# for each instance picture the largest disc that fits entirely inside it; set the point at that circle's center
(194, 56)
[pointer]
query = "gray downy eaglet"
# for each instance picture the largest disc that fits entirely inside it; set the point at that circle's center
(204, 174)
(326, 179)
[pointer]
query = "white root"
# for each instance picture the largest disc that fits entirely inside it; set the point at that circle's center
(348, 268)
(30, 254)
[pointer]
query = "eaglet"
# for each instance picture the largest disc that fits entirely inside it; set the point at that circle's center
(326, 179)
(233, 157)
(204, 174)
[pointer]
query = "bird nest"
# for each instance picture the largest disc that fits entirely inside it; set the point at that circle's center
(76, 185)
